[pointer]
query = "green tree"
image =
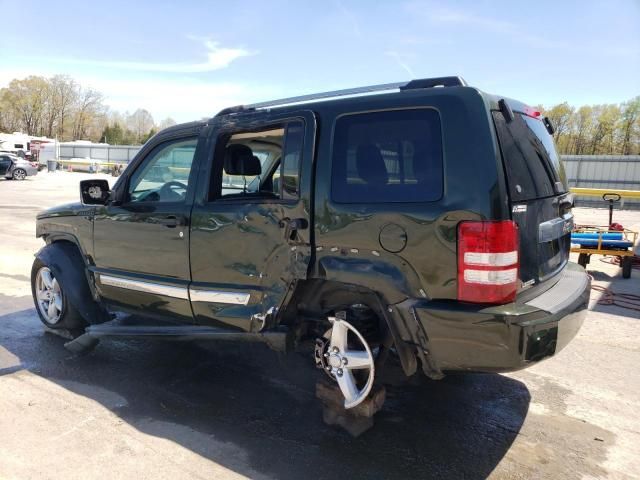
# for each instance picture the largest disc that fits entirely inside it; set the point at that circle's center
(582, 126)
(605, 120)
(560, 115)
(24, 100)
(630, 127)
(151, 133)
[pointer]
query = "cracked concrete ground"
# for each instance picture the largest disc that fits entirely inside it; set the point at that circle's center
(135, 409)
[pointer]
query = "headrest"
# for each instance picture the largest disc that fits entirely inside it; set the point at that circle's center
(370, 165)
(240, 160)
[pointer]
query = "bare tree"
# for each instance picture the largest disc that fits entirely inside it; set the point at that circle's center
(65, 95)
(89, 106)
(166, 123)
(140, 123)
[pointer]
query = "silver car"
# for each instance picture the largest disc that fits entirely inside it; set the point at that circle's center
(15, 167)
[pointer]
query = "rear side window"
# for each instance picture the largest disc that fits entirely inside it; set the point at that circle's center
(532, 165)
(391, 156)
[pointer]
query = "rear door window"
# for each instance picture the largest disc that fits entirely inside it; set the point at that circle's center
(386, 157)
(531, 162)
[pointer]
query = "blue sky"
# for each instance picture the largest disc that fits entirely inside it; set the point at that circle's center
(189, 59)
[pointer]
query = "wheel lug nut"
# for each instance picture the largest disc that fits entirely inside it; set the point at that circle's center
(344, 361)
(335, 350)
(339, 372)
(326, 355)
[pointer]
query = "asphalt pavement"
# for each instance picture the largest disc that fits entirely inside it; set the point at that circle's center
(145, 409)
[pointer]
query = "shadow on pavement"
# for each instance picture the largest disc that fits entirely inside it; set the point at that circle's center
(460, 427)
(622, 297)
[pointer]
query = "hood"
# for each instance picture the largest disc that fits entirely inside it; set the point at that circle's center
(66, 210)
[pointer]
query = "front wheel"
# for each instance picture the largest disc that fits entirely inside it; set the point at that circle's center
(51, 301)
(19, 174)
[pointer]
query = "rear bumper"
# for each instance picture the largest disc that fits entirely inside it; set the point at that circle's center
(465, 337)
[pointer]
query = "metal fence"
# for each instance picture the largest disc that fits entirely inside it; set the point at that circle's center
(604, 171)
(105, 153)
(587, 171)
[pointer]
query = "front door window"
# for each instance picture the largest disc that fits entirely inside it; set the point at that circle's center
(164, 176)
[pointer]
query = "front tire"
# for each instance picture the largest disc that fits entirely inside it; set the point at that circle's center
(19, 174)
(52, 304)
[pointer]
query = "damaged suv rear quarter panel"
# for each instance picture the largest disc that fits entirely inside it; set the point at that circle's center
(348, 235)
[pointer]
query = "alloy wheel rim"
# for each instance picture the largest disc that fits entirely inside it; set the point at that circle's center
(19, 174)
(48, 296)
(342, 361)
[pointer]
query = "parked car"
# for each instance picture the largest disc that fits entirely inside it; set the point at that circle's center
(428, 224)
(16, 168)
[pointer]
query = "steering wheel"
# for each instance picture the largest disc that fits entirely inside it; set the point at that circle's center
(166, 191)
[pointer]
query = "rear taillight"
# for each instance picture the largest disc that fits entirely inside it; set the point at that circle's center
(488, 261)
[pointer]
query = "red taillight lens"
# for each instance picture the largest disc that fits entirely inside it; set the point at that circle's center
(488, 261)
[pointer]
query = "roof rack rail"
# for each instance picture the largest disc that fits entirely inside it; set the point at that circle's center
(411, 85)
(435, 82)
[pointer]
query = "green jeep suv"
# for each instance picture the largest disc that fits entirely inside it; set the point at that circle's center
(428, 221)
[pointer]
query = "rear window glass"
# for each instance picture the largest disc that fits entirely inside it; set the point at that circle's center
(392, 156)
(531, 162)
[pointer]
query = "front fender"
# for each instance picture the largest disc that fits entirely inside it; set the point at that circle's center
(71, 223)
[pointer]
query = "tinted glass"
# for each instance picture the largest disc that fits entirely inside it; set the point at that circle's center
(164, 174)
(531, 162)
(392, 156)
(540, 131)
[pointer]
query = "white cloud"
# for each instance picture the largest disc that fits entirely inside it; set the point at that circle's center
(217, 57)
(350, 18)
(400, 60)
(463, 18)
(179, 97)
(445, 15)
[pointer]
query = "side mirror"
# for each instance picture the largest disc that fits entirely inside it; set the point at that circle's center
(94, 192)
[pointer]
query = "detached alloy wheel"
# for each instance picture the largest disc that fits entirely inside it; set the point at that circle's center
(19, 174)
(349, 361)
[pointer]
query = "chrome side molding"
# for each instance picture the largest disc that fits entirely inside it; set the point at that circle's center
(184, 293)
(146, 287)
(219, 296)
